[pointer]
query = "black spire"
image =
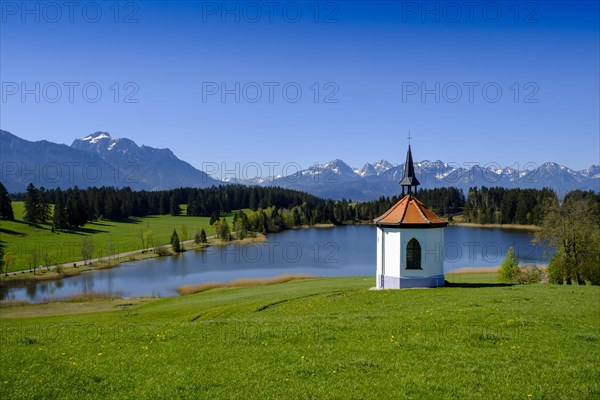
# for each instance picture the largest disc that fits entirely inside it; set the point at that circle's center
(409, 178)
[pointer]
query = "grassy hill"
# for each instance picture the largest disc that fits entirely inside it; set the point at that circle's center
(108, 236)
(316, 338)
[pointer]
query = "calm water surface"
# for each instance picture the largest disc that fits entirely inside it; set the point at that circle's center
(341, 251)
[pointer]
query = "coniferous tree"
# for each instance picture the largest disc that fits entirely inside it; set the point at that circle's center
(32, 201)
(191, 206)
(253, 200)
(175, 245)
(214, 217)
(93, 208)
(174, 208)
(112, 210)
(59, 218)
(43, 206)
(75, 209)
(200, 236)
(6, 210)
(163, 203)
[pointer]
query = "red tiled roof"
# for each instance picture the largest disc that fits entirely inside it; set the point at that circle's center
(410, 212)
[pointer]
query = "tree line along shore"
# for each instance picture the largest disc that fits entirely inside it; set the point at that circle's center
(98, 222)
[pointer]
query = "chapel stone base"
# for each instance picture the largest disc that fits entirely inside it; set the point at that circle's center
(393, 282)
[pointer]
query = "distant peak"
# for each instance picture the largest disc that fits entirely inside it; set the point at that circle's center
(337, 163)
(382, 166)
(366, 170)
(550, 164)
(96, 136)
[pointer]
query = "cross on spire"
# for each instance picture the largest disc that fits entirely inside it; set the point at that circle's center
(409, 137)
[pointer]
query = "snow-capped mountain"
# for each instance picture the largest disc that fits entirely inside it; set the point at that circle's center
(381, 178)
(373, 169)
(96, 160)
(382, 166)
(49, 164)
(592, 172)
(336, 168)
(144, 166)
(106, 146)
(366, 170)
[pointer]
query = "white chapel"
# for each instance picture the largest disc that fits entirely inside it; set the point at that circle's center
(410, 240)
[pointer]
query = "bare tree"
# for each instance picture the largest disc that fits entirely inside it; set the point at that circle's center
(33, 260)
(87, 249)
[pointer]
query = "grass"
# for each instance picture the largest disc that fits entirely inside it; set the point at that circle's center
(22, 240)
(312, 338)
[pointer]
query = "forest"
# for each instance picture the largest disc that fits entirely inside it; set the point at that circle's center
(75, 207)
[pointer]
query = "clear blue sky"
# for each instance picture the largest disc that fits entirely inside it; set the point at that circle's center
(375, 59)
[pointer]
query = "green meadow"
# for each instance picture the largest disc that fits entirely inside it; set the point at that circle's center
(318, 338)
(108, 237)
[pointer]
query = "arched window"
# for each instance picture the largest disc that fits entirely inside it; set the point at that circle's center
(413, 254)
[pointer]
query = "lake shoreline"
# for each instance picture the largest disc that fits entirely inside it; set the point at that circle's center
(510, 227)
(76, 267)
(186, 290)
(52, 273)
(298, 251)
(96, 301)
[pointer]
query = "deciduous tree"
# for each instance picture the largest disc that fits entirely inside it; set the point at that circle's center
(572, 228)
(222, 228)
(509, 268)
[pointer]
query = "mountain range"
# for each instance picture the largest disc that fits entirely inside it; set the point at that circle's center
(96, 160)
(336, 179)
(99, 159)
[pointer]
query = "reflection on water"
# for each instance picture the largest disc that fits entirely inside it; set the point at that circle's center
(342, 251)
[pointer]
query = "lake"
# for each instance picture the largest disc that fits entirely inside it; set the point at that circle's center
(341, 251)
